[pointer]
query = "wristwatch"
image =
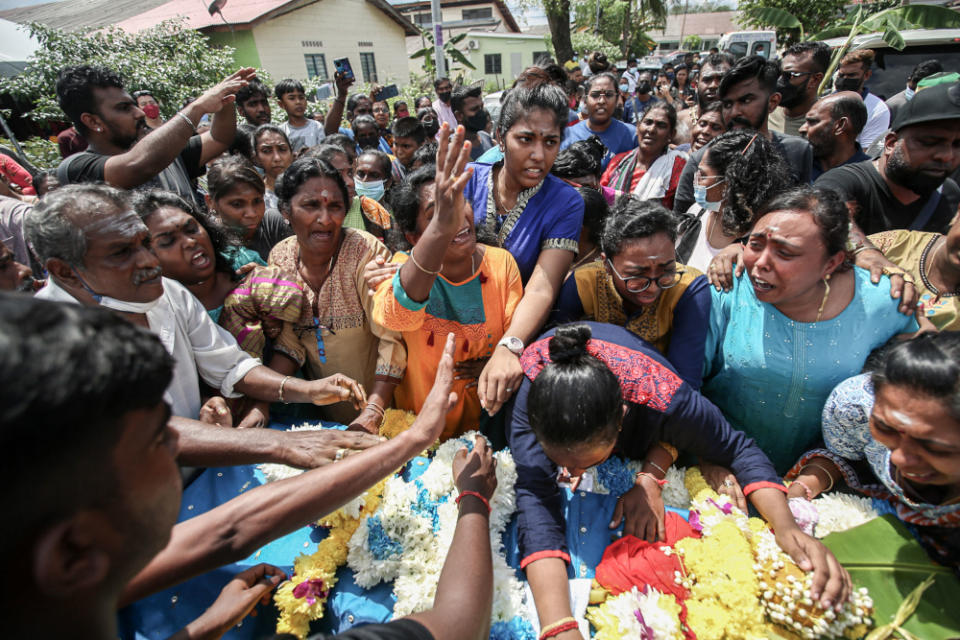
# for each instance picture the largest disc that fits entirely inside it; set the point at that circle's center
(512, 343)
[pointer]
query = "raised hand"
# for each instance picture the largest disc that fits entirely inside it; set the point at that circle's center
(450, 180)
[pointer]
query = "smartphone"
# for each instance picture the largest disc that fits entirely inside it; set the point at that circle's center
(389, 91)
(342, 65)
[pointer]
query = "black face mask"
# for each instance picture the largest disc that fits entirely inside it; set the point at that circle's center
(477, 122)
(643, 87)
(444, 97)
(791, 95)
(368, 143)
(848, 84)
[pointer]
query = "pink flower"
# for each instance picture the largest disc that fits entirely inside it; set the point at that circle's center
(310, 589)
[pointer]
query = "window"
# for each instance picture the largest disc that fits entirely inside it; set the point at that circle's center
(369, 67)
(422, 19)
(539, 56)
(477, 14)
(316, 65)
(491, 64)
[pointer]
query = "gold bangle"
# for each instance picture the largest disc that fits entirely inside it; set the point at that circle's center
(825, 470)
(377, 409)
(283, 382)
(426, 271)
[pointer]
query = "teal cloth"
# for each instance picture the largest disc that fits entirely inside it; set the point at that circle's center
(215, 314)
(239, 255)
(771, 375)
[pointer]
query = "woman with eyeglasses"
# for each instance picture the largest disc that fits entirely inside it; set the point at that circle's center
(591, 388)
(638, 284)
(738, 173)
(601, 101)
(795, 324)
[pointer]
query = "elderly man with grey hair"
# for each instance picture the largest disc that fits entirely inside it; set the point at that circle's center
(97, 252)
(831, 126)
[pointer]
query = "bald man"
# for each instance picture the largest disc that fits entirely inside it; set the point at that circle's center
(831, 126)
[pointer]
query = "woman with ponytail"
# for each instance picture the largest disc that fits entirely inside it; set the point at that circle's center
(592, 388)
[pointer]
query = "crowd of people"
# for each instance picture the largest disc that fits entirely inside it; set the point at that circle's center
(707, 260)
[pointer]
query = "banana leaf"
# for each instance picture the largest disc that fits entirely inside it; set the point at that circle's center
(774, 17)
(884, 557)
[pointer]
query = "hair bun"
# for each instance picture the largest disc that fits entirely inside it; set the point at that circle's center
(569, 343)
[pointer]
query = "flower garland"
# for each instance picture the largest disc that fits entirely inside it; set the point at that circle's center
(616, 476)
(739, 583)
(303, 597)
(647, 615)
(406, 540)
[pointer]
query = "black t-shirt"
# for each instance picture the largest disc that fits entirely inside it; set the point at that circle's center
(88, 166)
(403, 629)
(878, 209)
(273, 228)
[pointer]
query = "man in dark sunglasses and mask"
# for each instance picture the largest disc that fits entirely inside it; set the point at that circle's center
(467, 104)
(801, 73)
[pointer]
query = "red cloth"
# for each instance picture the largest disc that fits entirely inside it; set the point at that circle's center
(17, 175)
(632, 562)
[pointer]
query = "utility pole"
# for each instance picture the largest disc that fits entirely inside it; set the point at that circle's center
(437, 17)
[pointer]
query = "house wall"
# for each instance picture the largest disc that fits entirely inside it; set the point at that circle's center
(448, 14)
(516, 54)
(245, 54)
(336, 29)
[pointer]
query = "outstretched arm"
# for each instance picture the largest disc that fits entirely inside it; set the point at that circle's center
(239, 527)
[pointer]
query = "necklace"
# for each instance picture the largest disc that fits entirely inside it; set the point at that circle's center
(923, 269)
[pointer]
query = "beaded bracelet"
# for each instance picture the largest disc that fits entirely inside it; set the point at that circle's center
(558, 627)
(806, 488)
(475, 495)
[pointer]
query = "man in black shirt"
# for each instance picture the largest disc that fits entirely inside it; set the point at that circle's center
(121, 153)
(749, 93)
(831, 126)
(908, 186)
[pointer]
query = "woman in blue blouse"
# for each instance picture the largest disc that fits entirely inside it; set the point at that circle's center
(592, 388)
(519, 206)
(796, 323)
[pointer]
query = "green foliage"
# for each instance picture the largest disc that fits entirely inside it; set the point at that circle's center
(587, 41)
(174, 62)
(641, 16)
(792, 18)
(692, 43)
(709, 6)
(43, 153)
(450, 52)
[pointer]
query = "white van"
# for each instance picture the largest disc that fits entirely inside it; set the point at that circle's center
(749, 43)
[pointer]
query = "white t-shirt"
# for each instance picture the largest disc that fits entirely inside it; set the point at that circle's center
(878, 120)
(703, 251)
(309, 135)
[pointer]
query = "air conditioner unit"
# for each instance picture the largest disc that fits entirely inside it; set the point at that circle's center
(473, 44)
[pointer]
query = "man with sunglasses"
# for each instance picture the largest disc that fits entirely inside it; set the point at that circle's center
(804, 65)
(601, 102)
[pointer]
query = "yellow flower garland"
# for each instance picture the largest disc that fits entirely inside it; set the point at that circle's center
(319, 569)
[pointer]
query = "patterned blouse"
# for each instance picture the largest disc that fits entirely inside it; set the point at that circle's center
(866, 468)
(342, 337)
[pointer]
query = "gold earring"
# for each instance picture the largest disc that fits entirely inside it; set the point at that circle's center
(826, 294)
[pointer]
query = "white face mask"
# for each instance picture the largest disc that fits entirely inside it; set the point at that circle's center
(909, 93)
(700, 195)
(119, 305)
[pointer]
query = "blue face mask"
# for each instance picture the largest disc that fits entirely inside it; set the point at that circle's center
(624, 87)
(373, 189)
(909, 93)
(700, 195)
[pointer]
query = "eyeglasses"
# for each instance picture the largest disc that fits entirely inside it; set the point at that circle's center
(636, 284)
(793, 75)
(698, 179)
(597, 95)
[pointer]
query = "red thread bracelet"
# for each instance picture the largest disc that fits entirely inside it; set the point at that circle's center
(560, 628)
(485, 502)
(660, 483)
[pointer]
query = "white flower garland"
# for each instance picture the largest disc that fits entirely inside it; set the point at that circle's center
(841, 511)
(406, 543)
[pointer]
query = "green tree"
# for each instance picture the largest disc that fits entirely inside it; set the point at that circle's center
(692, 43)
(810, 16)
(558, 18)
(585, 41)
(170, 60)
(450, 52)
(639, 16)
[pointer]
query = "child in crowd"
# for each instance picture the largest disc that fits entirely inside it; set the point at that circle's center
(408, 136)
(301, 130)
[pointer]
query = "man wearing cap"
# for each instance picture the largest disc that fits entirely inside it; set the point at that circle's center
(908, 186)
